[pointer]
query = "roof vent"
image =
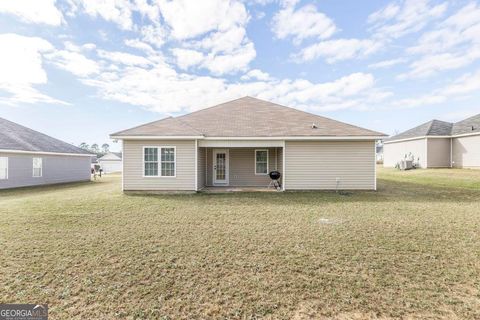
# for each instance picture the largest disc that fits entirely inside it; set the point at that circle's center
(314, 126)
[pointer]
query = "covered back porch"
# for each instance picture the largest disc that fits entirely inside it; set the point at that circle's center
(238, 165)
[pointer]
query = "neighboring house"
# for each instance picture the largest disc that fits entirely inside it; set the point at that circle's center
(437, 144)
(238, 143)
(379, 151)
(111, 162)
(29, 158)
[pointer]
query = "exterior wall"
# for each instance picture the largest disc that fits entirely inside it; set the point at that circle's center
(133, 178)
(55, 169)
(466, 152)
(202, 161)
(438, 153)
(242, 166)
(312, 165)
(396, 151)
(110, 166)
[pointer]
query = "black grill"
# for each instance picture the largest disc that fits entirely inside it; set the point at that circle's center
(274, 175)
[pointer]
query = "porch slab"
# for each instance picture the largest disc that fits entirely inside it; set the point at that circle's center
(237, 189)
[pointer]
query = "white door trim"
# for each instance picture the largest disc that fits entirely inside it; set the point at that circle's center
(227, 167)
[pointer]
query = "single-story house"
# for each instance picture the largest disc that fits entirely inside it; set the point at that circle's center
(111, 162)
(30, 158)
(437, 144)
(237, 144)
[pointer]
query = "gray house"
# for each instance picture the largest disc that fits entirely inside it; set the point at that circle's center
(437, 144)
(111, 162)
(237, 144)
(30, 158)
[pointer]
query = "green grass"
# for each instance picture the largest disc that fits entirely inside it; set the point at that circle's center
(410, 251)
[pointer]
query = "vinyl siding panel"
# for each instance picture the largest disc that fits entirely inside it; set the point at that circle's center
(55, 169)
(438, 152)
(202, 161)
(314, 165)
(396, 151)
(133, 166)
(242, 166)
(466, 152)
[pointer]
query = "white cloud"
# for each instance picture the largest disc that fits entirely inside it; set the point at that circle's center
(305, 22)
(124, 58)
(256, 74)
(191, 18)
(432, 64)
(21, 65)
(453, 44)
(399, 19)
(137, 44)
(187, 58)
(153, 34)
(340, 49)
(73, 62)
(162, 89)
(387, 63)
(464, 85)
(37, 11)
(116, 11)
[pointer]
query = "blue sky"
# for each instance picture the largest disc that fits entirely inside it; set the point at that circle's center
(79, 70)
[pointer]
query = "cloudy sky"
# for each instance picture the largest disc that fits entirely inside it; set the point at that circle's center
(80, 69)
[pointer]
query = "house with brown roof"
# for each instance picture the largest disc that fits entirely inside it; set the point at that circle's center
(437, 144)
(238, 143)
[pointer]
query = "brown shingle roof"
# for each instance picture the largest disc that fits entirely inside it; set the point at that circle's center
(248, 117)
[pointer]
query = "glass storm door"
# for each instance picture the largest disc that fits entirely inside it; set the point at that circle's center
(220, 166)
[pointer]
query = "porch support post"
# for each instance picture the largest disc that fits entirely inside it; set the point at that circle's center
(196, 165)
(283, 166)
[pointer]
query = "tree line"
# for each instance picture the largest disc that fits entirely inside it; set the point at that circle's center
(95, 148)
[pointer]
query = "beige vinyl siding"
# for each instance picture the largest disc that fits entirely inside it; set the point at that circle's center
(312, 165)
(134, 169)
(395, 151)
(466, 152)
(201, 162)
(242, 166)
(438, 152)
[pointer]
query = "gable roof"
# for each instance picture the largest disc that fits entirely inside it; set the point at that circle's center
(248, 117)
(441, 128)
(469, 125)
(111, 156)
(20, 138)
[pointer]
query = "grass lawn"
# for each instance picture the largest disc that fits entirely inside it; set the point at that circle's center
(410, 251)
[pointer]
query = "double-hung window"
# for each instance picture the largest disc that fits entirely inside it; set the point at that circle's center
(37, 167)
(3, 168)
(159, 161)
(261, 162)
(150, 160)
(168, 161)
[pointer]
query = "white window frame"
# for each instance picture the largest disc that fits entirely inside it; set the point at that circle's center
(255, 162)
(143, 161)
(174, 161)
(33, 167)
(159, 162)
(6, 168)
